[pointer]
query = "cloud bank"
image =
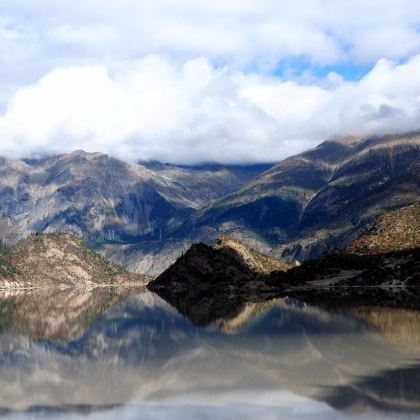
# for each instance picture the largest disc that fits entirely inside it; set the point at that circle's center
(210, 80)
(195, 112)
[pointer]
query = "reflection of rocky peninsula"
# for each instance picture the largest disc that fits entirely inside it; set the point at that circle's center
(55, 313)
(342, 329)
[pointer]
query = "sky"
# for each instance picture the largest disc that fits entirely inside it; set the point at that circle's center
(191, 81)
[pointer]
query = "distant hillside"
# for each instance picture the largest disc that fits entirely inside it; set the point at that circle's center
(107, 200)
(50, 260)
(394, 231)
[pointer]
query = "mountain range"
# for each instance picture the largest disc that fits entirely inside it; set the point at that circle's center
(144, 215)
(322, 198)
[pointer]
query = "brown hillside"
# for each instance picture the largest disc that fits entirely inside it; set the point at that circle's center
(52, 260)
(394, 231)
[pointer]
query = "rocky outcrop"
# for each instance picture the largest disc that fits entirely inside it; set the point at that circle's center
(227, 261)
(59, 260)
(249, 257)
(217, 281)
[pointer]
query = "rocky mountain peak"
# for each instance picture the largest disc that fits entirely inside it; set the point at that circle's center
(243, 254)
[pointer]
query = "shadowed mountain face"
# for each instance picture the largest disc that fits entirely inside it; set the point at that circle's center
(211, 282)
(105, 199)
(321, 198)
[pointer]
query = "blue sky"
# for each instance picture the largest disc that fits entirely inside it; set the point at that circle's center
(198, 80)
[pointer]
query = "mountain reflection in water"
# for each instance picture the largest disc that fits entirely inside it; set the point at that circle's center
(129, 354)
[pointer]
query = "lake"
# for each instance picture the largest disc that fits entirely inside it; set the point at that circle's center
(129, 354)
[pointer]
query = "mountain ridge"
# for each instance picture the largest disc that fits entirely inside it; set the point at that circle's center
(333, 186)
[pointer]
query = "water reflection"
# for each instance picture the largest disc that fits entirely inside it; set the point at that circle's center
(131, 354)
(55, 313)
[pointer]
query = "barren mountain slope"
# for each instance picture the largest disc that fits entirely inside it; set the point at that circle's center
(394, 231)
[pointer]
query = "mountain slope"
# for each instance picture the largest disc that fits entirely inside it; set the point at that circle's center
(394, 231)
(319, 199)
(59, 260)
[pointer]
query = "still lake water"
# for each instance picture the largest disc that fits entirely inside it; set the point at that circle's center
(107, 354)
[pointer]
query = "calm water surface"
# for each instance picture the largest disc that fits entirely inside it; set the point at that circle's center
(109, 354)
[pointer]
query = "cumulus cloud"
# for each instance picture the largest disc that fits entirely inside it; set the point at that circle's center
(194, 111)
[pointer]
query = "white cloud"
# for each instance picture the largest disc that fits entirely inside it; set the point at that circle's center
(123, 77)
(192, 112)
(238, 33)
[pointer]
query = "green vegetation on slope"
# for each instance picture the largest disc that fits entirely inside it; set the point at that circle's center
(7, 268)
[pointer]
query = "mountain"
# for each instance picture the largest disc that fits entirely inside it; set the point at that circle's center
(320, 199)
(51, 260)
(225, 261)
(105, 199)
(300, 208)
